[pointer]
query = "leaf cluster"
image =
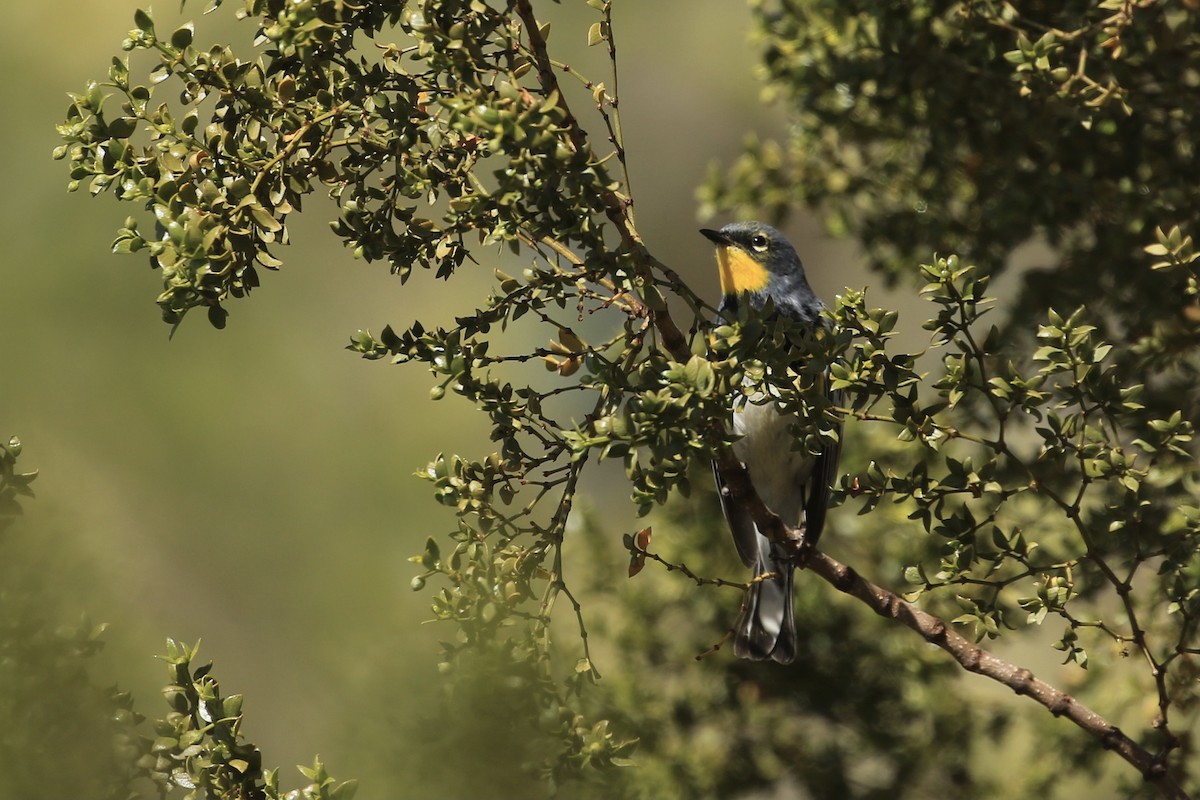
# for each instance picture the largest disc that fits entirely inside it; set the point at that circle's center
(442, 116)
(65, 736)
(13, 484)
(199, 747)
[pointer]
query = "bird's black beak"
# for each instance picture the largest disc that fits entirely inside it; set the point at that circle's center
(716, 237)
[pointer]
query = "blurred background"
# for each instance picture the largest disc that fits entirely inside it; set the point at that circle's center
(269, 440)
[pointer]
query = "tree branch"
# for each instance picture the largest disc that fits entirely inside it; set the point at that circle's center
(616, 208)
(736, 480)
(975, 659)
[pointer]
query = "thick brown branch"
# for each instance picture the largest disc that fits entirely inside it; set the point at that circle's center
(735, 482)
(934, 630)
(975, 659)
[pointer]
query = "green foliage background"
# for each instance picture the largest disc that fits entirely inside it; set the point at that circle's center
(252, 489)
(255, 490)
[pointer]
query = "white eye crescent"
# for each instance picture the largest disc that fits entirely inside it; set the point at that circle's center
(759, 242)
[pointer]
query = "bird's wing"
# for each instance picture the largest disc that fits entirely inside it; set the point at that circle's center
(745, 535)
(824, 473)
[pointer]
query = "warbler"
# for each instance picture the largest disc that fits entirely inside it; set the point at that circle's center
(757, 263)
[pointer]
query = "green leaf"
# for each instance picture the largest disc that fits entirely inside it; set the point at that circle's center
(264, 218)
(182, 37)
(595, 34)
(143, 21)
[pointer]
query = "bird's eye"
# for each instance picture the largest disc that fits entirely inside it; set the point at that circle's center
(759, 242)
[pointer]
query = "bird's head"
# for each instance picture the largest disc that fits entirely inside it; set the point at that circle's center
(749, 254)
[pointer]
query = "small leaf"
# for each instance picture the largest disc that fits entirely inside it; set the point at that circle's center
(143, 21)
(637, 546)
(182, 37)
(217, 317)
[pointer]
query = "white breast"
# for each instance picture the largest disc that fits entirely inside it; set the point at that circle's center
(780, 473)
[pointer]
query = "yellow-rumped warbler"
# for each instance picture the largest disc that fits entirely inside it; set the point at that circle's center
(757, 262)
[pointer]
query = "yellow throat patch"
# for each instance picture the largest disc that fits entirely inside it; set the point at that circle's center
(739, 271)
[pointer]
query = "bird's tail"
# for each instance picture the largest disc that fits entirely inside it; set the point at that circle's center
(767, 628)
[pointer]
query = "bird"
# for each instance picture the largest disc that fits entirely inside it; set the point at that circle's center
(757, 263)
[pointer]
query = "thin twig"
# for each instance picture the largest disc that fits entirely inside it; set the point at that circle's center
(615, 207)
(699, 579)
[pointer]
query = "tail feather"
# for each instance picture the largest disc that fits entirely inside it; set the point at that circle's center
(767, 628)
